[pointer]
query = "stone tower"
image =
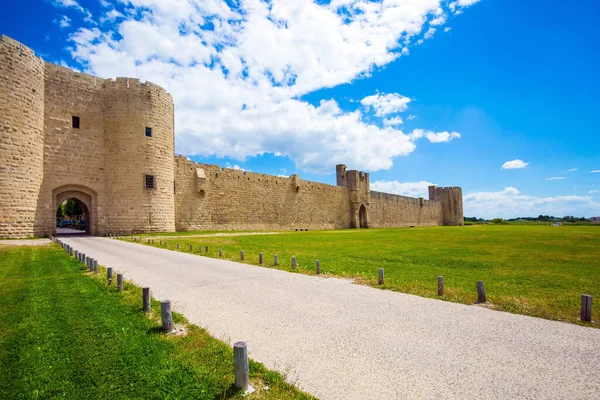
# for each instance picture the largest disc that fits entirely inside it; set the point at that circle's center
(340, 171)
(21, 139)
(452, 204)
(132, 155)
(359, 193)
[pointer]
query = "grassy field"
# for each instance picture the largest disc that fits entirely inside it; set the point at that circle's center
(535, 270)
(66, 334)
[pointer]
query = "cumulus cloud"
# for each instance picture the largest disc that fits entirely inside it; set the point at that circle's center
(434, 137)
(111, 16)
(63, 22)
(515, 164)
(510, 203)
(411, 189)
(466, 3)
(385, 104)
(74, 4)
(238, 72)
(556, 178)
(66, 3)
(393, 121)
(235, 166)
(429, 34)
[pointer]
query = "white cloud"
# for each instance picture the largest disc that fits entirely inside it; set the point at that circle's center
(235, 166)
(466, 3)
(411, 189)
(69, 4)
(556, 178)
(411, 117)
(593, 191)
(66, 3)
(440, 18)
(74, 4)
(429, 34)
(573, 170)
(393, 121)
(442, 137)
(238, 84)
(510, 203)
(63, 22)
(447, 29)
(111, 15)
(515, 164)
(596, 171)
(385, 104)
(434, 137)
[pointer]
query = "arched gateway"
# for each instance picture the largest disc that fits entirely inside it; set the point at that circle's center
(86, 197)
(362, 217)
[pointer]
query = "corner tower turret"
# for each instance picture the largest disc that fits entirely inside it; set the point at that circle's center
(452, 204)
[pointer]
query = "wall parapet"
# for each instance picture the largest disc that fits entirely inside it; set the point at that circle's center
(391, 196)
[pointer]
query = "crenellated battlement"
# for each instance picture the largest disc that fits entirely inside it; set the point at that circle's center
(214, 172)
(130, 84)
(18, 47)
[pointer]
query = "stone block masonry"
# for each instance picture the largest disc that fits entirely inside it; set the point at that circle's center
(109, 143)
(236, 200)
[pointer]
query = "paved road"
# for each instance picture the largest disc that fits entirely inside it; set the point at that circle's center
(338, 340)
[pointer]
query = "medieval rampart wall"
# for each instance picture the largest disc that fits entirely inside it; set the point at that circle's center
(390, 210)
(237, 200)
(104, 162)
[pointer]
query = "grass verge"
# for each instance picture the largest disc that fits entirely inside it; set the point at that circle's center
(66, 334)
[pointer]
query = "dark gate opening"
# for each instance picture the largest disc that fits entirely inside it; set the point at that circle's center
(73, 218)
(362, 217)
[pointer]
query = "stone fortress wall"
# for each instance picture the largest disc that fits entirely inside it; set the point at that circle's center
(208, 197)
(45, 159)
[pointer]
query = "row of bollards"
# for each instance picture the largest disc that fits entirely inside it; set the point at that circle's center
(586, 299)
(261, 260)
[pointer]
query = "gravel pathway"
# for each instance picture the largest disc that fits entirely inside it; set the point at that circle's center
(338, 340)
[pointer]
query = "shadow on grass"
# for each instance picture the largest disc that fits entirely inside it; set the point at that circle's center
(155, 330)
(231, 392)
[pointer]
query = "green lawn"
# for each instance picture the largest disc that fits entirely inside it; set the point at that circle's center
(66, 334)
(528, 269)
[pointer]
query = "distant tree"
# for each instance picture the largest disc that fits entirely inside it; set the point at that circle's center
(60, 212)
(72, 209)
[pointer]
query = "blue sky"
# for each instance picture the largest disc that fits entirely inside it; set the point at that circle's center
(413, 91)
